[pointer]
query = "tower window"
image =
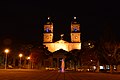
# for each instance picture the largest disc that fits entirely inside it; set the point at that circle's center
(75, 30)
(48, 30)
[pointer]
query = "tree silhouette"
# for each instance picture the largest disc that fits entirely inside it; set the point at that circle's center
(108, 46)
(38, 54)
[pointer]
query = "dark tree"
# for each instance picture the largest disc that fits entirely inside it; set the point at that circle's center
(108, 46)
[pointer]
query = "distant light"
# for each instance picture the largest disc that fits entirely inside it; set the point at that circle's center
(74, 17)
(28, 57)
(89, 44)
(94, 67)
(91, 60)
(6, 50)
(20, 55)
(48, 18)
(101, 67)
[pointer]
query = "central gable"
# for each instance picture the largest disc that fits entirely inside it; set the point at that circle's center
(61, 44)
(61, 41)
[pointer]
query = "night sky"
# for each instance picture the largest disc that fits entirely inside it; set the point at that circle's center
(23, 20)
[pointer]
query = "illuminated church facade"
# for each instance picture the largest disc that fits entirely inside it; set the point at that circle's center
(62, 44)
(60, 48)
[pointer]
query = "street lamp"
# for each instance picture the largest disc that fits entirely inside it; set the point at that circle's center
(91, 60)
(89, 44)
(6, 51)
(28, 58)
(20, 55)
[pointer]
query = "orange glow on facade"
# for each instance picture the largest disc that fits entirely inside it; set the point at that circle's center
(75, 42)
(61, 44)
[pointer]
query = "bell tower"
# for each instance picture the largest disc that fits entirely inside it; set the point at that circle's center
(48, 31)
(75, 31)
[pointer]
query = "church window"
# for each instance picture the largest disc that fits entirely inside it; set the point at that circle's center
(47, 30)
(75, 30)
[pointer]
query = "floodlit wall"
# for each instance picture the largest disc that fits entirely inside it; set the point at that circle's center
(62, 45)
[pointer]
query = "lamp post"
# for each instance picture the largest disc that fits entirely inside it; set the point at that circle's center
(6, 52)
(28, 58)
(20, 55)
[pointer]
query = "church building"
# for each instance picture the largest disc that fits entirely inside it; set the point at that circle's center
(61, 47)
(62, 44)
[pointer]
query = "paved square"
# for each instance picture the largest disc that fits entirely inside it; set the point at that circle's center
(24, 74)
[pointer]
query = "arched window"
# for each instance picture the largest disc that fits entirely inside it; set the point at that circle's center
(75, 30)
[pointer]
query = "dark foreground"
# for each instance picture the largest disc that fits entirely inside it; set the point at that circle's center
(13, 74)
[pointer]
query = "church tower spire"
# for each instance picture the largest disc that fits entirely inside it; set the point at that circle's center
(48, 31)
(75, 30)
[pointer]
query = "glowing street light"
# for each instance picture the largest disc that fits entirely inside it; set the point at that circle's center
(6, 52)
(91, 60)
(20, 55)
(89, 44)
(28, 58)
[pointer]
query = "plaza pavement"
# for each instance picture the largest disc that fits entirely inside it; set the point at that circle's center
(25, 74)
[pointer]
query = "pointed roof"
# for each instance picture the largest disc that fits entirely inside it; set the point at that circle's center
(61, 41)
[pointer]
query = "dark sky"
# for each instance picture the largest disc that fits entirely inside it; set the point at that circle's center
(23, 20)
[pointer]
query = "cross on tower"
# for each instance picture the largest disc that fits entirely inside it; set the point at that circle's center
(62, 36)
